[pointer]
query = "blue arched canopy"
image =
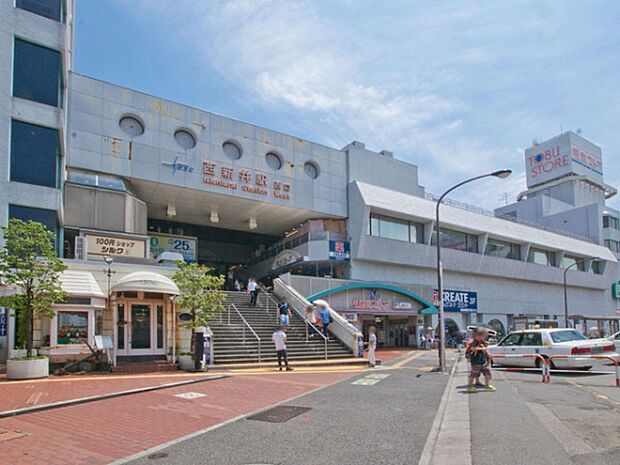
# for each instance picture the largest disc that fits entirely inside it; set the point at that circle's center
(428, 308)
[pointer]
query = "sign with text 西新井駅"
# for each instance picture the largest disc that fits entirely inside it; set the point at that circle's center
(186, 246)
(245, 180)
(285, 258)
(563, 155)
(339, 250)
(457, 301)
(99, 246)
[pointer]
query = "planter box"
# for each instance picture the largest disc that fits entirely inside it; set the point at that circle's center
(27, 369)
(186, 362)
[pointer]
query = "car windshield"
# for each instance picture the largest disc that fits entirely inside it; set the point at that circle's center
(567, 336)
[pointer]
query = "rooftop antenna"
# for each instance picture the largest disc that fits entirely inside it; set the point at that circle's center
(504, 198)
(578, 130)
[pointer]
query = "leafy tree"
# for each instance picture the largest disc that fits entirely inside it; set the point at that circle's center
(29, 263)
(201, 294)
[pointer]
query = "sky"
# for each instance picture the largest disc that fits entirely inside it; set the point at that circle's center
(459, 88)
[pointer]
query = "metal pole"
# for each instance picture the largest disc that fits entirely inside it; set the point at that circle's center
(577, 262)
(442, 336)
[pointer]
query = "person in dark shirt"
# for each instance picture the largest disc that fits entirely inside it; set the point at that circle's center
(478, 356)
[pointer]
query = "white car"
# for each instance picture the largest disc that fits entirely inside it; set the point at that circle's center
(551, 341)
(615, 338)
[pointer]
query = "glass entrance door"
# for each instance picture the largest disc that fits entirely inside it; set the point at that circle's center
(141, 328)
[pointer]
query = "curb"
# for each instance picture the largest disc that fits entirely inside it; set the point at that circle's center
(84, 400)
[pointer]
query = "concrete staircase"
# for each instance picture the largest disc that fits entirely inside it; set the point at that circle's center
(228, 345)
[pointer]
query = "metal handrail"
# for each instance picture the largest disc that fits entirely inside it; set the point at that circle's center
(325, 338)
(245, 323)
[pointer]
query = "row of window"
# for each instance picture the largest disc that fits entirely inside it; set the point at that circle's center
(612, 245)
(107, 181)
(134, 127)
(409, 231)
(35, 154)
(611, 222)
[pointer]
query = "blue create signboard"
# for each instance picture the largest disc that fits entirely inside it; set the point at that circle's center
(458, 301)
(339, 250)
(3, 313)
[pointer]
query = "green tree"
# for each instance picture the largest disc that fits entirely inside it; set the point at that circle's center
(201, 294)
(29, 263)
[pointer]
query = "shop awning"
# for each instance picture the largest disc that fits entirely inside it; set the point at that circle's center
(146, 281)
(80, 284)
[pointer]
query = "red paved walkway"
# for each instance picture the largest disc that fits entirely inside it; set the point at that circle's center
(103, 431)
(20, 394)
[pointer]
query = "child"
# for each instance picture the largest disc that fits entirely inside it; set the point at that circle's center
(279, 338)
(479, 358)
(372, 346)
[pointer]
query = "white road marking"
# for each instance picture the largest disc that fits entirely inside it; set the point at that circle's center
(190, 395)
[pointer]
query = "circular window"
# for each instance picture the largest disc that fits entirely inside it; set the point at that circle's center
(274, 161)
(232, 150)
(131, 125)
(185, 139)
(311, 170)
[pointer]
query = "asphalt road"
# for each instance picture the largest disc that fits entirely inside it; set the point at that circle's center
(384, 423)
(573, 420)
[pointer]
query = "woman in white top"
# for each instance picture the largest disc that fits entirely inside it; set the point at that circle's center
(310, 321)
(372, 346)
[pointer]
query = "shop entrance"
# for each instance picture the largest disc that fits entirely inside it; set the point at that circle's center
(392, 333)
(140, 328)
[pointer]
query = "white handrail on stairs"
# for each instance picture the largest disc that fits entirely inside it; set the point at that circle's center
(303, 317)
(340, 328)
(245, 323)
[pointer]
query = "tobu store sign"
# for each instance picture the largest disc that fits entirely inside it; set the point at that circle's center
(244, 180)
(457, 301)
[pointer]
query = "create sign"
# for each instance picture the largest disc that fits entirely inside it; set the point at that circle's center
(458, 301)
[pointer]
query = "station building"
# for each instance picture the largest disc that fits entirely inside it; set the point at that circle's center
(128, 177)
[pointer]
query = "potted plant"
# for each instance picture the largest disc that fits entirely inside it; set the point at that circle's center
(201, 296)
(28, 264)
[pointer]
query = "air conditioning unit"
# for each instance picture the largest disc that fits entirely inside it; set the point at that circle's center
(80, 248)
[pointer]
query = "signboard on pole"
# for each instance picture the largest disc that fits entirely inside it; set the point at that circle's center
(339, 250)
(458, 301)
(3, 318)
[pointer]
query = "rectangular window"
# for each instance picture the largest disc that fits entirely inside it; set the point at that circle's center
(120, 326)
(541, 257)
(34, 154)
(395, 228)
(48, 8)
(502, 249)
(611, 222)
(98, 322)
(457, 240)
(597, 267)
(47, 217)
(573, 262)
(72, 327)
(36, 73)
(160, 326)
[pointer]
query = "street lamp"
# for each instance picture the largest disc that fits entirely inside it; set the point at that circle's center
(502, 174)
(108, 272)
(577, 262)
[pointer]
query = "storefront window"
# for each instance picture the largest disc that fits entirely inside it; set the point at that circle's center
(72, 327)
(503, 249)
(120, 324)
(98, 322)
(160, 326)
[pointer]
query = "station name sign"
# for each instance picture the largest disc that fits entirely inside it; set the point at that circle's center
(244, 179)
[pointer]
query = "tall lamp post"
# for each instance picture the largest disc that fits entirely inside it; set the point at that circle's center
(442, 334)
(577, 262)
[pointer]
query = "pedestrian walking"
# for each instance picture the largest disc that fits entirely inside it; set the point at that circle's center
(237, 285)
(284, 311)
(253, 290)
(372, 346)
(325, 317)
(279, 339)
(478, 356)
(310, 322)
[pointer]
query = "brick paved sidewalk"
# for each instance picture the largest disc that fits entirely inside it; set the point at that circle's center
(106, 430)
(23, 394)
